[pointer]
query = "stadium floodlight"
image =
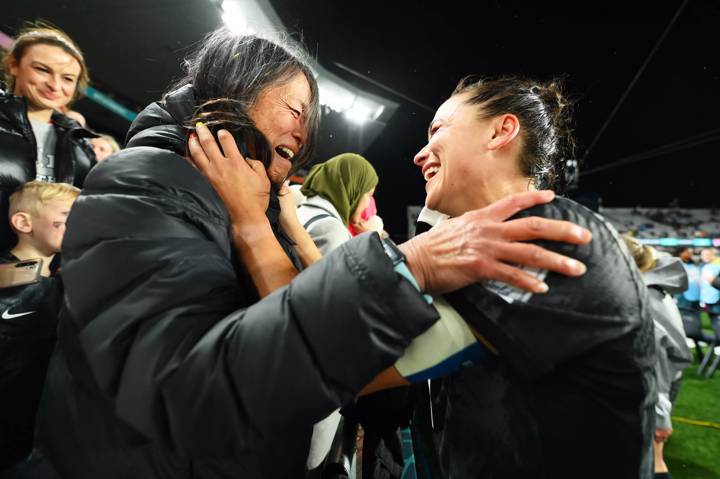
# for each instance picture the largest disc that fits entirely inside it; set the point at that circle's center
(363, 110)
(333, 95)
(357, 106)
(233, 17)
(358, 114)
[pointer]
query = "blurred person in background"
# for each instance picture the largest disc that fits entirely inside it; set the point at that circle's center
(104, 145)
(75, 115)
(336, 194)
(710, 293)
(369, 221)
(664, 276)
(38, 212)
(709, 273)
(690, 298)
(44, 72)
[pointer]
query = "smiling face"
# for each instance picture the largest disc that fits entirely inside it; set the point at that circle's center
(47, 76)
(470, 162)
(451, 162)
(280, 114)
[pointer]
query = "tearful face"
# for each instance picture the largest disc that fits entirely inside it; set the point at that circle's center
(280, 113)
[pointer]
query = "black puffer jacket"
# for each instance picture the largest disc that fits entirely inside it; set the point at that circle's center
(18, 152)
(162, 370)
(28, 321)
(572, 392)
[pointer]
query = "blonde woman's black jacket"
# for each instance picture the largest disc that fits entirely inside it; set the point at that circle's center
(165, 367)
(18, 153)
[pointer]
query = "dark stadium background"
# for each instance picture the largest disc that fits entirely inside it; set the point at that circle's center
(134, 49)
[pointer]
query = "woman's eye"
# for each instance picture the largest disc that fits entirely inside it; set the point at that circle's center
(57, 224)
(296, 113)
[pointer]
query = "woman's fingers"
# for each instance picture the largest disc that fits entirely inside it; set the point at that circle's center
(516, 277)
(208, 143)
(229, 146)
(257, 167)
(285, 188)
(536, 228)
(197, 155)
(534, 256)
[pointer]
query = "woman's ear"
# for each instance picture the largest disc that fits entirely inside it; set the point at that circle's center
(21, 222)
(505, 129)
(13, 64)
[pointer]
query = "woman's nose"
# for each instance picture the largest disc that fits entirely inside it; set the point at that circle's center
(53, 82)
(300, 133)
(421, 156)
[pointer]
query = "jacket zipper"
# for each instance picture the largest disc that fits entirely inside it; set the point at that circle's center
(30, 135)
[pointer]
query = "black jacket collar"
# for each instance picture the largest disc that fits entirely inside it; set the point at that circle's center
(163, 124)
(14, 109)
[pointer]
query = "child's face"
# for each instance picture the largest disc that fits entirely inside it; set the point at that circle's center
(48, 225)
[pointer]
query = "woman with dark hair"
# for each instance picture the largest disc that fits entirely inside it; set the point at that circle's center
(168, 364)
(562, 384)
(44, 73)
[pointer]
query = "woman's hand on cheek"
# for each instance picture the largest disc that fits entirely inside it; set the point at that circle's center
(242, 183)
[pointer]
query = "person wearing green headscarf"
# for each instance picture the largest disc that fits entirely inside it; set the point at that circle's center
(337, 191)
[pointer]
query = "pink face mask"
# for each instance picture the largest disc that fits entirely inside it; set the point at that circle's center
(367, 213)
(370, 211)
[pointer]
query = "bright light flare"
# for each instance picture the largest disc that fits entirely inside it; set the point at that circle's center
(234, 18)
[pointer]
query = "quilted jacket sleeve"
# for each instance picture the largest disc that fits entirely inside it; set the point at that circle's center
(164, 326)
(537, 333)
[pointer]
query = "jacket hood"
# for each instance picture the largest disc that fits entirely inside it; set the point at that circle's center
(667, 274)
(162, 124)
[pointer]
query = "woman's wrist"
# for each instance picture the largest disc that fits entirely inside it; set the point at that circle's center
(262, 256)
(252, 232)
(304, 244)
(291, 225)
(414, 262)
(308, 252)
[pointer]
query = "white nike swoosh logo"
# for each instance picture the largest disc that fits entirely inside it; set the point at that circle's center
(7, 315)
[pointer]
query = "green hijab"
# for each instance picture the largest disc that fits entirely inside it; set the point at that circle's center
(342, 180)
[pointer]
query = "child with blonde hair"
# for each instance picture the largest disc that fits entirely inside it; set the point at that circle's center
(29, 315)
(37, 215)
